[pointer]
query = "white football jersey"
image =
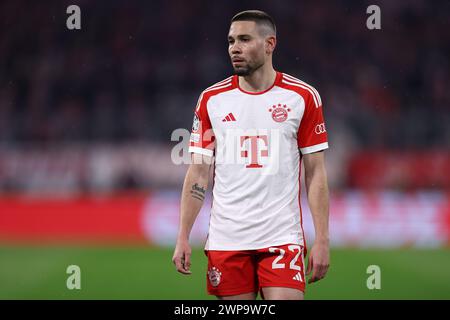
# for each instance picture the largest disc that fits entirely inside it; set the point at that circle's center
(257, 140)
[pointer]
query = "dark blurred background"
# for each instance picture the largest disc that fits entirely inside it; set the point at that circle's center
(134, 71)
(86, 118)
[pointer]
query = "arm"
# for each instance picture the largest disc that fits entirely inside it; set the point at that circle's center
(193, 194)
(318, 199)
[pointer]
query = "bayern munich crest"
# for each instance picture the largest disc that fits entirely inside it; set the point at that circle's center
(279, 112)
(214, 276)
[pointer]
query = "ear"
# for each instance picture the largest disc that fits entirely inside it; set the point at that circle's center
(271, 42)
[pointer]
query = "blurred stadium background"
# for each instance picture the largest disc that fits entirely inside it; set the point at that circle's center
(86, 118)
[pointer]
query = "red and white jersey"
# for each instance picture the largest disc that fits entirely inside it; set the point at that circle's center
(257, 140)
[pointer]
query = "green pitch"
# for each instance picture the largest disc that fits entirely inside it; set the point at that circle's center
(147, 273)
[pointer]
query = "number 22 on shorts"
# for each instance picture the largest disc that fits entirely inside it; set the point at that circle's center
(292, 265)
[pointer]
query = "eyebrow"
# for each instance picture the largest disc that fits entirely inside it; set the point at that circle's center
(240, 36)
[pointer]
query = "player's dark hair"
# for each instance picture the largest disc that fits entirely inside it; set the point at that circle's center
(260, 17)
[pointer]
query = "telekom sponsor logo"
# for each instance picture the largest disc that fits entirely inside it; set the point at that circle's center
(253, 146)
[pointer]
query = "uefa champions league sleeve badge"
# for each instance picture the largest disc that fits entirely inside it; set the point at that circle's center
(196, 123)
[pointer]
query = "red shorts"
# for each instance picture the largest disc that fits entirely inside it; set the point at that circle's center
(238, 272)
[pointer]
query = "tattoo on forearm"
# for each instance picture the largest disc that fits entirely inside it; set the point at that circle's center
(196, 197)
(198, 192)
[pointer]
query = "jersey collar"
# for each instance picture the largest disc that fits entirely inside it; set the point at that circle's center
(276, 82)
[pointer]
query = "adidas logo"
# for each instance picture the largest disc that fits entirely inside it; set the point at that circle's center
(298, 277)
(229, 117)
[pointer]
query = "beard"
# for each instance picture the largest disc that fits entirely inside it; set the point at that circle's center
(247, 69)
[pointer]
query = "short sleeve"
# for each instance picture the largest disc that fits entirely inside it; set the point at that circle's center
(202, 137)
(312, 133)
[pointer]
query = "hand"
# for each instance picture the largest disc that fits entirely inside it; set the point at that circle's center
(182, 257)
(318, 262)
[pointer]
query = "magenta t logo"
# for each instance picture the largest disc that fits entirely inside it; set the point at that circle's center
(254, 150)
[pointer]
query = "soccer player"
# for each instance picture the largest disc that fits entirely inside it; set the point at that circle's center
(254, 128)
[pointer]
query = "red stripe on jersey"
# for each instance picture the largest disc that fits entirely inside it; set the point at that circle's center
(218, 85)
(299, 85)
(214, 90)
(221, 82)
(207, 141)
(232, 117)
(301, 90)
(313, 91)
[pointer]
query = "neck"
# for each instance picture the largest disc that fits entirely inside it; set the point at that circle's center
(260, 80)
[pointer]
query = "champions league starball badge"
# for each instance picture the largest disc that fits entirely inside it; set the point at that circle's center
(196, 123)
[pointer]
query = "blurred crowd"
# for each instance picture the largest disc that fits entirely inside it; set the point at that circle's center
(135, 69)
